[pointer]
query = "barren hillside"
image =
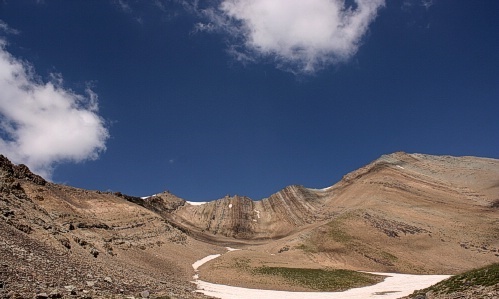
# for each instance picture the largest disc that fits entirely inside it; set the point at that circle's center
(58, 241)
(408, 213)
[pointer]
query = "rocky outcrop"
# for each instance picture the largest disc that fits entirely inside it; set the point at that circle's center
(20, 171)
(162, 203)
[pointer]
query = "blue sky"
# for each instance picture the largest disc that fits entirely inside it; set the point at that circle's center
(242, 97)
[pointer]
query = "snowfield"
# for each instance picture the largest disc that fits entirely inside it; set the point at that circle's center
(394, 286)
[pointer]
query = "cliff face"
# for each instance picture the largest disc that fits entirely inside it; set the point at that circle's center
(242, 218)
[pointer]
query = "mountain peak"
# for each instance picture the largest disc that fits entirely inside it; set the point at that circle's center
(20, 171)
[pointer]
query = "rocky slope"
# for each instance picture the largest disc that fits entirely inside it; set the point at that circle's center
(58, 241)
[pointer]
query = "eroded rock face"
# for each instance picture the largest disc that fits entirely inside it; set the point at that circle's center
(242, 218)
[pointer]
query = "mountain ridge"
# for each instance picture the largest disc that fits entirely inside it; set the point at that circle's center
(410, 213)
(296, 206)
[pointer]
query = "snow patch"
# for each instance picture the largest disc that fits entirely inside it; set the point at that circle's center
(394, 286)
(204, 260)
(257, 214)
(196, 203)
(230, 206)
(400, 167)
(321, 190)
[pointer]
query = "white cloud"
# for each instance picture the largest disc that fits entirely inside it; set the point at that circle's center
(123, 5)
(299, 35)
(427, 3)
(42, 124)
(6, 29)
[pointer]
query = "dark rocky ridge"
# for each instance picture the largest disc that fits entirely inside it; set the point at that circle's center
(20, 171)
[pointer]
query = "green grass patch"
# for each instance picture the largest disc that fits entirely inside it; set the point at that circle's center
(388, 256)
(337, 231)
(321, 279)
(486, 276)
(309, 248)
(241, 263)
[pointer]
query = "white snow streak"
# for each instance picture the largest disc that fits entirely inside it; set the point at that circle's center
(196, 203)
(204, 260)
(231, 249)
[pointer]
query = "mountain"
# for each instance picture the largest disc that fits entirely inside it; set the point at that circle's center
(393, 181)
(409, 213)
(57, 241)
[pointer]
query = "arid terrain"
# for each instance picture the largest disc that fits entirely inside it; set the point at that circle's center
(403, 213)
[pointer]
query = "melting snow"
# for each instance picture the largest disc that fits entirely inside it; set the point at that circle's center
(394, 286)
(206, 259)
(200, 262)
